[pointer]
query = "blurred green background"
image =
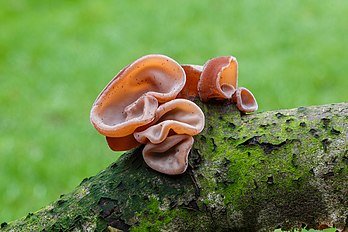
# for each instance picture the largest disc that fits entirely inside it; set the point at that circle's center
(56, 56)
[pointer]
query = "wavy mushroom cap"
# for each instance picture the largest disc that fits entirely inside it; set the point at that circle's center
(169, 157)
(244, 100)
(193, 74)
(122, 121)
(219, 78)
(132, 96)
(179, 116)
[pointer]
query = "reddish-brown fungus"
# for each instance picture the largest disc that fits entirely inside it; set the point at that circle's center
(138, 106)
(179, 116)
(169, 157)
(244, 100)
(193, 73)
(131, 98)
(122, 143)
(219, 78)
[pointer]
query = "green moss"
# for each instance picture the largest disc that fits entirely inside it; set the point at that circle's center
(152, 218)
(253, 156)
(238, 165)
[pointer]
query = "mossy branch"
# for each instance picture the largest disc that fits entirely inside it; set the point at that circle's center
(284, 168)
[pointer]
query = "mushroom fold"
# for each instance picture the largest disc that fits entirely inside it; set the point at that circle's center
(179, 116)
(244, 100)
(169, 157)
(218, 79)
(131, 98)
(122, 143)
(193, 74)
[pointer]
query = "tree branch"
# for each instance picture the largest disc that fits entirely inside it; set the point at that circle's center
(284, 168)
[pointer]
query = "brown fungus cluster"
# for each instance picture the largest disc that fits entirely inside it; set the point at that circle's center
(148, 102)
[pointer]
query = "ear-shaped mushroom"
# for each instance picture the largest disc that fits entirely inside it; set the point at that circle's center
(131, 98)
(193, 73)
(169, 157)
(179, 116)
(123, 123)
(219, 78)
(244, 100)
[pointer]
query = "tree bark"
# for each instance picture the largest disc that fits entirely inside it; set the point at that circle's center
(278, 169)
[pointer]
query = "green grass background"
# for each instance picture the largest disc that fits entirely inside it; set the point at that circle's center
(56, 56)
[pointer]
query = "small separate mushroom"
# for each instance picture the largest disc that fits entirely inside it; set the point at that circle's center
(219, 79)
(244, 100)
(179, 116)
(193, 74)
(169, 157)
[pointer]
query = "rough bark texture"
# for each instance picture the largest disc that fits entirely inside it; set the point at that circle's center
(278, 169)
